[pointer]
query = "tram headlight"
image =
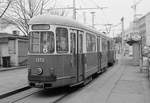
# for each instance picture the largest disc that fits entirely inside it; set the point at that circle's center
(39, 71)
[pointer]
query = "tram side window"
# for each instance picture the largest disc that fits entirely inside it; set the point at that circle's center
(104, 45)
(72, 42)
(90, 42)
(62, 40)
(34, 42)
(47, 42)
(80, 45)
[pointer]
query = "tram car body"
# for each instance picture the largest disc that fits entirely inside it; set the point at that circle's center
(64, 52)
(111, 52)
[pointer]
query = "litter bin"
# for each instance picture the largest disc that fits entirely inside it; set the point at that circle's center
(6, 61)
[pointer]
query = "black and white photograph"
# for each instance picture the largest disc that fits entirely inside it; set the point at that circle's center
(74, 51)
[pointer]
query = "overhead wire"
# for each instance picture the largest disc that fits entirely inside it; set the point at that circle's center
(106, 18)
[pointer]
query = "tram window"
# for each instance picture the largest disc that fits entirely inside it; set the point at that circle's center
(34, 42)
(104, 45)
(90, 42)
(35, 48)
(80, 41)
(47, 42)
(72, 42)
(42, 42)
(35, 37)
(98, 44)
(61, 40)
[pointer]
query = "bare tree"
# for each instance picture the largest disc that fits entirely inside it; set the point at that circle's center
(21, 11)
(4, 5)
(54, 11)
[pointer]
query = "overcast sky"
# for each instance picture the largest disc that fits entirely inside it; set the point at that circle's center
(112, 14)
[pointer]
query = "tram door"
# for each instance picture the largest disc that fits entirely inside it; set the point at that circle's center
(73, 51)
(76, 49)
(80, 56)
(98, 53)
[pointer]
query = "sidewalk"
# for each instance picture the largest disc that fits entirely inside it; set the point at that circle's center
(123, 83)
(11, 68)
(133, 86)
(12, 80)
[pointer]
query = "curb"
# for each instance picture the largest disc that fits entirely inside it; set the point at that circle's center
(14, 92)
(12, 68)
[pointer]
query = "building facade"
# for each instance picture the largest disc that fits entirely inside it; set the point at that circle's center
(13, 50)
(138, 35)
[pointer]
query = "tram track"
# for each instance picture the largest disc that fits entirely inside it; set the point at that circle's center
(18, 95)
(35, 95)
(7, 94)
(31, 95)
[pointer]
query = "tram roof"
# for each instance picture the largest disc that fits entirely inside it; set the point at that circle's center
(59, 20)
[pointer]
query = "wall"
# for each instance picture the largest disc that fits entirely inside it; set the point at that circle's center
(12, 52)
(22, 52)
(10, 30)
(148, 29)
(142, 28)
(4, 49)
(0, 56)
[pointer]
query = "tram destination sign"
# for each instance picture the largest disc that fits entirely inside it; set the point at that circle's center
(40, 27)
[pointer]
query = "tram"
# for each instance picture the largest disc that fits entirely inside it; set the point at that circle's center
(64, 52)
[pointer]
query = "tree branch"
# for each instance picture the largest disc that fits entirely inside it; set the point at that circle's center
(5, 9)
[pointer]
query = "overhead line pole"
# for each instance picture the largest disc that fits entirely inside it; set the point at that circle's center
(122, 34)
(93, 14)
(74, 9)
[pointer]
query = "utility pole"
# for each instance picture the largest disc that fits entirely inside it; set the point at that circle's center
(93, 14)
(122, 34)
(74, 9)
(134, 7)
(84, 17)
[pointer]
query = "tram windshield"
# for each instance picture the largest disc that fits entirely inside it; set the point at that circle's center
(42, 42)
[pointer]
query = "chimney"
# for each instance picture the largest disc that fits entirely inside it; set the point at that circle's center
(15, 32)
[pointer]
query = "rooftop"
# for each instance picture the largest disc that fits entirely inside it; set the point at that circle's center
(12, 36)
